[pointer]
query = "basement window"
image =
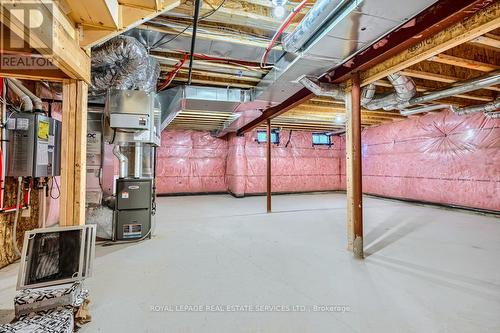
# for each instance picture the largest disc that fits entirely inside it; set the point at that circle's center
(262, 137)
(321, 139)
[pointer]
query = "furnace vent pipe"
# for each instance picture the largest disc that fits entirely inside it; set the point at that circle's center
(123, 161)
(26, 102)
(489, 107)
(37, 102)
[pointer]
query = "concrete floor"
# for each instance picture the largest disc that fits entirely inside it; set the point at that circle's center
(427, 269)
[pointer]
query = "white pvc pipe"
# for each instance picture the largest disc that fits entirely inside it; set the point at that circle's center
(26, 102)
(37, 102)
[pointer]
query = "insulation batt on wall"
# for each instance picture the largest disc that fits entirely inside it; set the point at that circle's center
(440, 157)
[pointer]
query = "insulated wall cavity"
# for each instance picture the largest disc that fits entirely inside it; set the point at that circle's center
(297, 164)
(439, 157)
(191, 162)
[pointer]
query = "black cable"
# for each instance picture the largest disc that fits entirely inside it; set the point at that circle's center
(193, 39)
(160, 42)
(289, 138)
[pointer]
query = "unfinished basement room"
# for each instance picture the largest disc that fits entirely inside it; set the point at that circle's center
(253, 166)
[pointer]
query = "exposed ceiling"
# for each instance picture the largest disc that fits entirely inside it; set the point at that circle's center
(232, 39)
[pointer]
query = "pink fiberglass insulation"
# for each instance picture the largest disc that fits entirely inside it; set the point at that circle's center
(191, 162)
(440, 157)
(297, 165)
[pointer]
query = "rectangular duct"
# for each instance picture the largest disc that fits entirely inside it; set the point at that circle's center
(193, 98)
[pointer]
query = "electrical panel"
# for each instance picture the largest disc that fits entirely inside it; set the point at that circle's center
(34, 145)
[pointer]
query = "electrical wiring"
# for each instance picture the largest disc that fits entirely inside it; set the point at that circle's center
(280, 31)
(160, 42)
(174, 72)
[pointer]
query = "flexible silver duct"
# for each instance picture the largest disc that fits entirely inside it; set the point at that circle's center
(322, 89)
(489, 107)
(123, 63)
(367, 94)
(26, 102)
(404, 90)
(123, 161)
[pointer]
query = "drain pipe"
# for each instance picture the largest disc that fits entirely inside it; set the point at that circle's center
(490, 107)
(37, 102)
(123, 161)
(26, 102)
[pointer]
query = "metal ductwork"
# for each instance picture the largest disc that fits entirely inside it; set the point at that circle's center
(331, 33)
(489, 107)
(323, 89)
(484, 81)
(426, 108)
(206, 99)
(404, 90)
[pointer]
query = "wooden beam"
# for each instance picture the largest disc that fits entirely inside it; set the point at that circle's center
(97, 13)
(73, 161)
(480, 23)
(465, 63)
(354, 169)
(130, 16)
(55, 37)
(488, 40)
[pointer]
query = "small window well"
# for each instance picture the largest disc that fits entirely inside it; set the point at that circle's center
(321, 139)
(262, 137)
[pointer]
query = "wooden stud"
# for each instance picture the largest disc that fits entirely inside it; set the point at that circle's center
(354, 169)
(73, 153)
(465, 63)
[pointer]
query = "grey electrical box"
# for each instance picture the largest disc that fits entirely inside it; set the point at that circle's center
(34, 145)
(132, 216)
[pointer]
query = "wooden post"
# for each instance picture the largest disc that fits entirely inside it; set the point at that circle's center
(353, 169)
(73, 153)
(268, 159)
